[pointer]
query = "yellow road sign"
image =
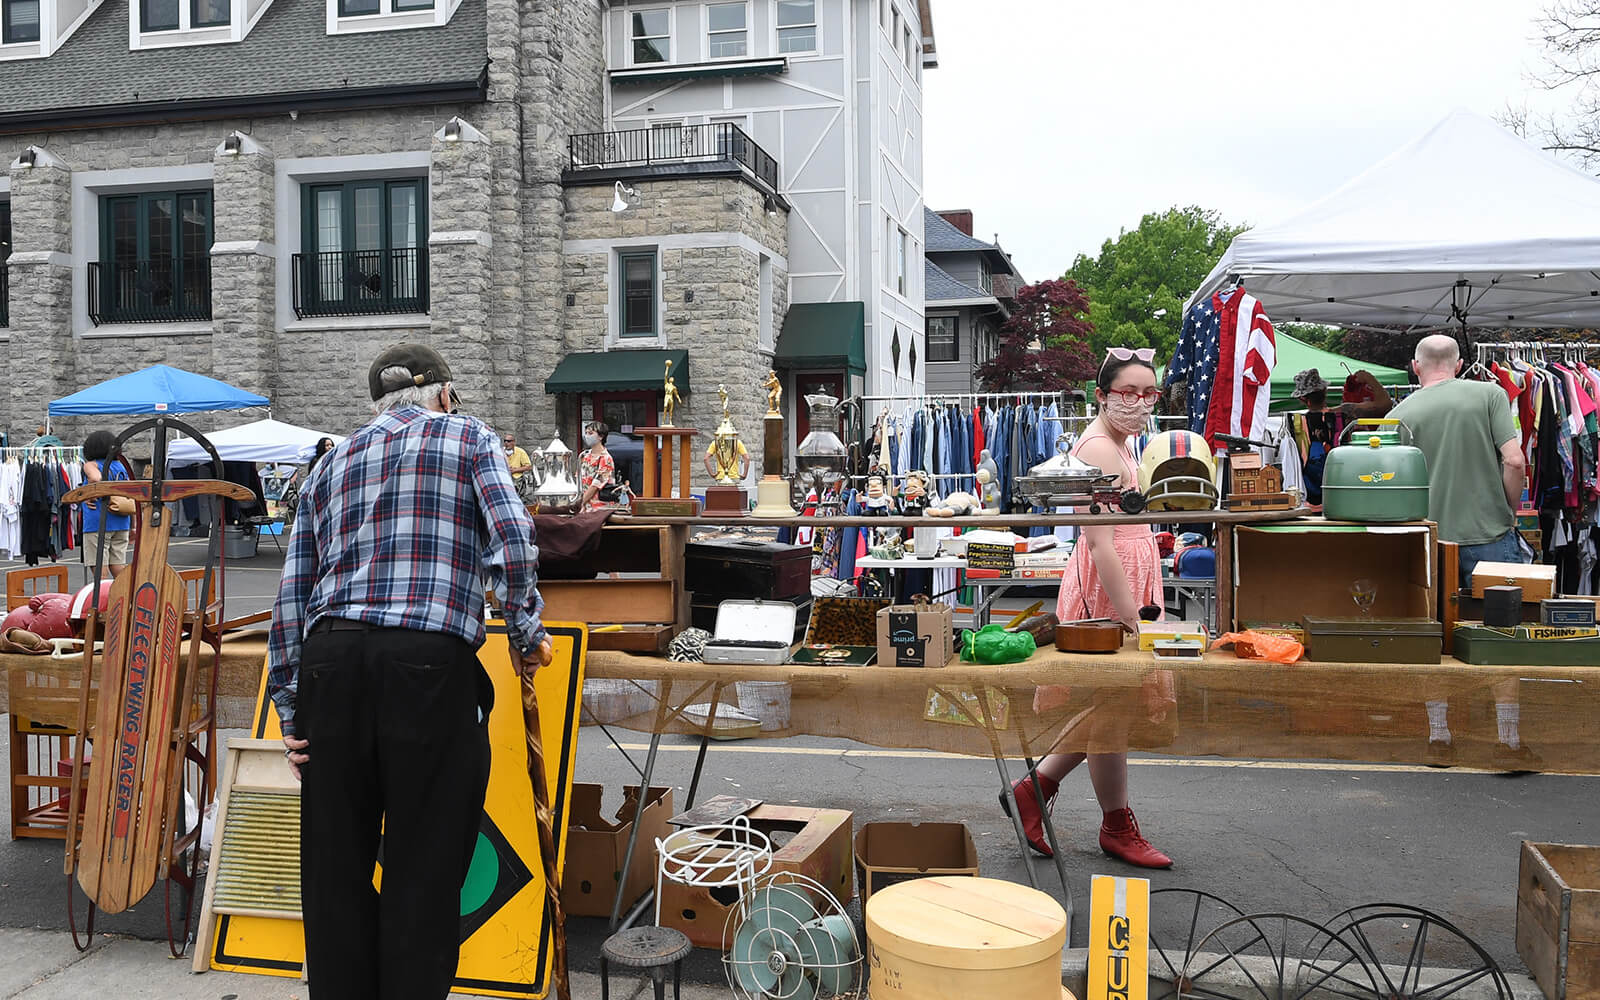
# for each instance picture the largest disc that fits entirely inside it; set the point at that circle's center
(1119, 938)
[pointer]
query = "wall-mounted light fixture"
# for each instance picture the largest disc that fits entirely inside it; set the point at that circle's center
(771, 205)
(233, 144)
(452, 130)
(620, 195)
(28, 157)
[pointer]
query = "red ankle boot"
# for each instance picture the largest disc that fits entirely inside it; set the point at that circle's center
(1120, 838)
(1033, 818)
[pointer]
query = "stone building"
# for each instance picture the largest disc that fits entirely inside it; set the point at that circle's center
(270, 191)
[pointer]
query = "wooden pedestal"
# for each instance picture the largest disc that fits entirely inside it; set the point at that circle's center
(729, 500)
(658, 442)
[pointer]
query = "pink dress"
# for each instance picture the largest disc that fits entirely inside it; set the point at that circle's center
(1081, 595)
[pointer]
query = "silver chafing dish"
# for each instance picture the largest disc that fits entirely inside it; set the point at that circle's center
(1066, 481)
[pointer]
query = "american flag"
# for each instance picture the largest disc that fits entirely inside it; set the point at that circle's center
(1195, 360)
(1239, 392)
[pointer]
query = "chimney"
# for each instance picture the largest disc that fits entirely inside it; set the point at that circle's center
(961, 218)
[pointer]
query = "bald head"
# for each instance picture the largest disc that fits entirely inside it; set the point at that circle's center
(1437, 357)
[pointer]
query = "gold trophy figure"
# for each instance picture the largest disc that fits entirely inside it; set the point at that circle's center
(774, 392)
(669, 397)
(772, 493)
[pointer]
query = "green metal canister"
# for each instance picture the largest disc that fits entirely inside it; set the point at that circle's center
(1376, 480)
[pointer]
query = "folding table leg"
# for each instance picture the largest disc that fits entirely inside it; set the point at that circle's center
(633, 834)
(1050, 835)
(699, 763)
(1016, 816)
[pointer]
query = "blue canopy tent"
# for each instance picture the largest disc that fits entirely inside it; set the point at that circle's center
(157, 389)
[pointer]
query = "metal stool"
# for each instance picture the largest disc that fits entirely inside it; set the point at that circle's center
(652, 948)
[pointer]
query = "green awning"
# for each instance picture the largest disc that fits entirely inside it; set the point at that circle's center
(618, 371)
(824, 335)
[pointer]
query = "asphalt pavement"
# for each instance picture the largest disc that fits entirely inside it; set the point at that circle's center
(1309, 838)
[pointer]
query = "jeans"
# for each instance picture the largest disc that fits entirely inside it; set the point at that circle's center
(1507, 548)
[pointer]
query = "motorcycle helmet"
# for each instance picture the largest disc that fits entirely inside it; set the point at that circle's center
(1176, 472)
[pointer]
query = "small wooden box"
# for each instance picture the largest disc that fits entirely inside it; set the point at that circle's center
(1537, 582)
(1558, 918)
(748, 569)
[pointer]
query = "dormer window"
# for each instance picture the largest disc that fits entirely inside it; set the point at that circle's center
(158, 24)
(33, 28)
(351, 16)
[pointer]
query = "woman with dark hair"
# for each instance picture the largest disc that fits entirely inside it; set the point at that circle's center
(596, 468)
(112, 550)
(324, 445)
(1113, 571)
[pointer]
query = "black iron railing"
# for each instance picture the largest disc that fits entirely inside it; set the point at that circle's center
(361, 282)
(5, 295)
(720, 141)
(150, 291)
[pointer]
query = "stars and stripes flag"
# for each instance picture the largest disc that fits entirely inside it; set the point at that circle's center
(1247, 353)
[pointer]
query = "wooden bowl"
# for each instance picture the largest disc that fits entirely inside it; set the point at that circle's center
(1089, 637)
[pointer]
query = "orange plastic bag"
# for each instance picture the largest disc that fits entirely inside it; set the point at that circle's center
(1261, 646)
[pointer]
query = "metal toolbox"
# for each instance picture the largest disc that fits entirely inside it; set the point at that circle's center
(751, 632)
(1376, 640)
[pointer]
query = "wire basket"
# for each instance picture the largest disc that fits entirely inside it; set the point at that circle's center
(791, 939)
(725, 854)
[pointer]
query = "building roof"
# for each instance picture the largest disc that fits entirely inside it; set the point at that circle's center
(939, 286)
(288, 55)
(939, 236)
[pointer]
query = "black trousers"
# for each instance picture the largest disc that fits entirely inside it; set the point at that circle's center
(398, 756)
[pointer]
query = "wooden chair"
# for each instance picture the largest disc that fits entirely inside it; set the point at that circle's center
(192, 578)
(22, 584)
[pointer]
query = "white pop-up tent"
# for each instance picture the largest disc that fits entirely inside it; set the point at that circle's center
(261, 441)
(1468, 225)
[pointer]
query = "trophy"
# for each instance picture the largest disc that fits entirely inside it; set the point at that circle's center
(669, 397)
(772, 493)
(727, 462)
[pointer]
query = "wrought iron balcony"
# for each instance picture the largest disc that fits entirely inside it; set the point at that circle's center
(361, 282)
(150, 291)
(716, 142)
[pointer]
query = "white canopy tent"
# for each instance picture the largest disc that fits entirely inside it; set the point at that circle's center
(1467, 226)
(261, 441)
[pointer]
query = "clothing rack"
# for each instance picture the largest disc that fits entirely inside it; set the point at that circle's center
(71, 453)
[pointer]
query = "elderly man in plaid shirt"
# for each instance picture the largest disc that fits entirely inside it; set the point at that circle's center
(373, 669)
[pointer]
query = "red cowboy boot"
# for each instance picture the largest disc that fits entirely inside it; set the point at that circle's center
(1120, 838)
(1033, 818)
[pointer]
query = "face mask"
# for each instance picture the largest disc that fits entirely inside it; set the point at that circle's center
(1127, 418)
(590, 438)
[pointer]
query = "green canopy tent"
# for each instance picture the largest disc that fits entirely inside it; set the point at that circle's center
(1295, 356)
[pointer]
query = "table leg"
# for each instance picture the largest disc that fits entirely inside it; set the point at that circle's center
(633, 834)
(1005, 784)
(1050, 835)
(699, 763)
(1224, 577)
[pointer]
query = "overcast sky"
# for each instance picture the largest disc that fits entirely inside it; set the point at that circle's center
(1060, 122)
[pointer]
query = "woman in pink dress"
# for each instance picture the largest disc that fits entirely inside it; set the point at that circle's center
(1113, 572)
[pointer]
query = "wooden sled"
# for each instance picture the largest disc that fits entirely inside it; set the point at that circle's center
(148, 720)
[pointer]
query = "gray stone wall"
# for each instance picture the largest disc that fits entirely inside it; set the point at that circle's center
(41, 292)
(710, 295)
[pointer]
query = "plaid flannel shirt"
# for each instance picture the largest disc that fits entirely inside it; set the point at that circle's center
(400, 526)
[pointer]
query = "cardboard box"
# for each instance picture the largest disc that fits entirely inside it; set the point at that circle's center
(1537, 582)
(1152, 632)
(887, 853)
(1272, 581)
(810, 842)
(596, 845)
(915, 635)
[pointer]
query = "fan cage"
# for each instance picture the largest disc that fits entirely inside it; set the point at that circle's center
(788, 893)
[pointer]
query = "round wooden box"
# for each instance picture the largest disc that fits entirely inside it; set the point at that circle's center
(957, 937)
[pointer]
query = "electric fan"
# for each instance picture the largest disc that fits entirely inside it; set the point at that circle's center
(790, 939)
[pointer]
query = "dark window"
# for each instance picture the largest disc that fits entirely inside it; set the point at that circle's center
(405, 5)
(5, 251)
(652, 36)
(364, 252)
(210, 13)
(357, 8)
(638, 293)
(21, 20)
(942, 342)
(158, 15)
(155, 257)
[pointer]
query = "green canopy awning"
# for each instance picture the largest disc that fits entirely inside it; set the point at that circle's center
(618, 371)
(824, 335)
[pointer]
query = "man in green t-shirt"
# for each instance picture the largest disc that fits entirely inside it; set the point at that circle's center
(1476, 472)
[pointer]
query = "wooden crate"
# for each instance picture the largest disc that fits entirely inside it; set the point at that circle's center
(662, 599)
(1558, 918)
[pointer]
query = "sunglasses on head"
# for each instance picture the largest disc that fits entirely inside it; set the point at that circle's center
(1144, 354)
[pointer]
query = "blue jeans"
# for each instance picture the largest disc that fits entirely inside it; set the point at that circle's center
(1507, 548)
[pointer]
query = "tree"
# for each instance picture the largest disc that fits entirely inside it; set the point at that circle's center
(1138, 284)
(1043, 345)
(1570, 31)
(1380, 347)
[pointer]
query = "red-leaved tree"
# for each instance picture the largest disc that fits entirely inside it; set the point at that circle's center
(1044, 345)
